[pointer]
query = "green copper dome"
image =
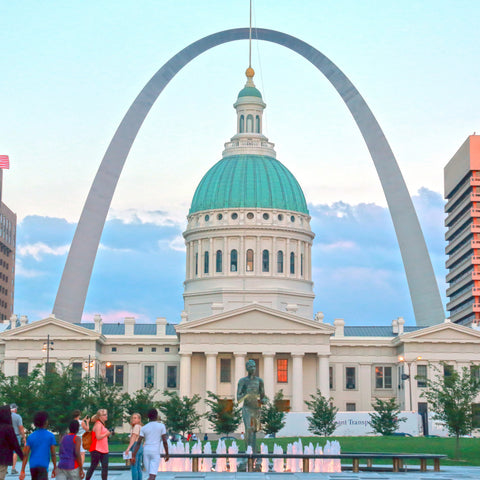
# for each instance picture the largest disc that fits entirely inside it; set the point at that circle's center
(249, 181)
(249, 92)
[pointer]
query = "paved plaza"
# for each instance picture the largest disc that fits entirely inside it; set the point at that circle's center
(446, 473)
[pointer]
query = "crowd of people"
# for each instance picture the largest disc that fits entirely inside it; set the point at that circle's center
(87, 434)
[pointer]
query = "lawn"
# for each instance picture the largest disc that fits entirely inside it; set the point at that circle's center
(470, 447)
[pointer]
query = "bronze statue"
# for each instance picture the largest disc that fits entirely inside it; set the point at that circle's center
(251, 392)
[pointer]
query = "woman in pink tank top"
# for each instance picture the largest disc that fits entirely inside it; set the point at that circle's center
(99, 447)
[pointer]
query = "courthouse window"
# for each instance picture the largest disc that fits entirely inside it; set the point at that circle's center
(475, 372)
(350, 380)
(23, 369)
(383, 377)
(292, 262)
(279, 261)
(77, 371)
(421, 376)
(282, 370)
(114, 375)
(172, 376)
(206, 262)
(218, 262)
(250, 260)
(225, 370)
(149, 376)
(265, 261)
(233, 261)
(447, 370)
(330, 377)
(351, 407)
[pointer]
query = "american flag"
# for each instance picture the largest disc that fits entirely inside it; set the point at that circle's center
(4, 161)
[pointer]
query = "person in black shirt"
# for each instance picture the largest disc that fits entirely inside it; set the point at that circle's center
(8, 441)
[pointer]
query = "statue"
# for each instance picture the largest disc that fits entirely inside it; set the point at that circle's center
(251, 392)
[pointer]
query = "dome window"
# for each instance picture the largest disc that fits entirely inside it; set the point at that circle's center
(266, 216)
(207, 218)
(265, 261)
(242, 124)
(249, 123)
(279, 261)
(219, 216)
(280, 217)
(233, 260)
(250, 215)
(234, 216)
(218, 261)
(292, 219)
(257, 124)
(250, 260)
(292, 263)
(206, 262)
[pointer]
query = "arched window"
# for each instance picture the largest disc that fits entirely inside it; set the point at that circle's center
(218, 261)
(196, 263)
(206, 262)
(249, 260)
(242, 123)
(301, 264)
(250, 123)
(292, 262)
(279, 261)
(265, 261)
(257, 124)
(233, 261)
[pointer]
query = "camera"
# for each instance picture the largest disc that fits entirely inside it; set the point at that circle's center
(112, 431)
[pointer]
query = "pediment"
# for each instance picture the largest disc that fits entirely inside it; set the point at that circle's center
(443, 332)
(49, 326)
(255, 319)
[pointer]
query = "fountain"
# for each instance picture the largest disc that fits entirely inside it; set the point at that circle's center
(264, 450)
(233, 450)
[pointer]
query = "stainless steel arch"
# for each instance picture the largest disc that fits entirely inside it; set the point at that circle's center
(72, 292)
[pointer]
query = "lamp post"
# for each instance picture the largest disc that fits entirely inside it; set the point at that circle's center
(47, 346)
(408, 376)
(88, 365)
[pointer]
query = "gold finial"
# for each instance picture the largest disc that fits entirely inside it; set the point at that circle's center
(250, 72)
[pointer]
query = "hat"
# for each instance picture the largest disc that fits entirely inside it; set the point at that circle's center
(13, 406)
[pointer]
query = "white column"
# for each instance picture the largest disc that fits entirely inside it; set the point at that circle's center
(239, 368)
(257, 259)
(269, 374)
(273, 257)
(241, 257)
(297, 382)
(185, 374)
(323, 375)
(211, 372)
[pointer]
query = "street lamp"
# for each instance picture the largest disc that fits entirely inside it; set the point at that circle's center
(88, 365)
(408, 376)
(47, 346)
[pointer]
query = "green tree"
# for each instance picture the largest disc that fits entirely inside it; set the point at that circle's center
(450, 397)
(273, 414)
(385, 420)
(224, 415)
(140, 402)
(322, 420)
(180, 412)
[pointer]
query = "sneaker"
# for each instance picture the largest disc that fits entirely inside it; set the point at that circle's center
(14, 472)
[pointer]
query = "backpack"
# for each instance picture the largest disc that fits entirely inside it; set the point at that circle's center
(87, 439)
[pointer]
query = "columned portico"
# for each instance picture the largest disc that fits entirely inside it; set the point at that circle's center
(297, 382)
(185, 374)
(211, 372)
(269, 374)
(323, 375)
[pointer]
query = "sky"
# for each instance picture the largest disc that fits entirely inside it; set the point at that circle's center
(70, 70)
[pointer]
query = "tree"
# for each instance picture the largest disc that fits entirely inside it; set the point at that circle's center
(385, 420)
(180, 413)
(450, 397)
(224, 415)
(322, 421)
(140, 402)
(273, 414)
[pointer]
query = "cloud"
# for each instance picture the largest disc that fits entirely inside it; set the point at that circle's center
(40, 249)
(117, 316)
(178, 244)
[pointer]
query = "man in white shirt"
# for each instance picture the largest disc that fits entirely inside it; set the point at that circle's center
(152, 434)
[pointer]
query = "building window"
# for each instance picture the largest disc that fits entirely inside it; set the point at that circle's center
(475, 372)
(196, 264)
(149, 376)
(330, 377)
(265, 261)
(242, 123)
(249, 123)
(383, 377)
(140, 349)
(350, 378)
(114, 349)
(282, 370)
(114, 375)
(23, 369)
(171, 376)
(250, 260)
(279, 261)
(351, 407)
(218, 261)
(257, 124)
(225, 370)
(167, 349)
(77, 371)
(421, 376)
(301, 264)
(292, 262)
(205, 262)
(447, 370)
(233, 261)
(154, 349)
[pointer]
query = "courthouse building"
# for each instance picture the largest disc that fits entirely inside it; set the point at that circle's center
(248, 294)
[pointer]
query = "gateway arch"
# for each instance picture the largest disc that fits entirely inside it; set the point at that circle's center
(424, 293)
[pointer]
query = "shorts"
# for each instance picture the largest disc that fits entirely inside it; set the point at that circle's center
(63, 474)
(151, 460)
(19, 438)
(39, 473)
